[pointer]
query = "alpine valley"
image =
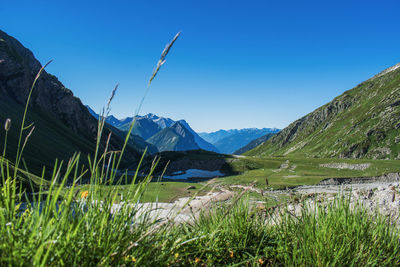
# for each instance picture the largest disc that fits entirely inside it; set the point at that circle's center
(191, 183)
(64, 126)
(362, 123)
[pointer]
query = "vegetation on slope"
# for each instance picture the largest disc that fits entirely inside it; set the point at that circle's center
(295, 171)
(361, 123)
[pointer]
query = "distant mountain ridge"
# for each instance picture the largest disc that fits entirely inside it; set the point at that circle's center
(254, 143)
(203, 144)
(229, 141)
(363, 122)
(174, 138)
(151, 125)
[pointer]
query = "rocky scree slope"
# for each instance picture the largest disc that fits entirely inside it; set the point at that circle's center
(363, 122)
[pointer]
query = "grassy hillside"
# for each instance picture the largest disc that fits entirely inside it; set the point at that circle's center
(361, 123)
(294, 171)
(51, 139)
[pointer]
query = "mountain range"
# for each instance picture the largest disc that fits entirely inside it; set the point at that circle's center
(363, 122)
(229, 141)
(169, 135)
(164, 133)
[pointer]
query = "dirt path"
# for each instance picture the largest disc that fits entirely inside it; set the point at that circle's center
(373, 194)
(185, 209)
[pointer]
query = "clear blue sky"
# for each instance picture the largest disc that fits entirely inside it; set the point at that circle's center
(237, 64)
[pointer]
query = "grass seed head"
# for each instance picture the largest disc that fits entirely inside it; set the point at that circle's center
(29, 135)
(164, 54)
(7, 125)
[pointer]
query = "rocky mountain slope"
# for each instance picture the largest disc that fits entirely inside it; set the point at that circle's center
(63, 125)
(149, 125)
(160, 121)
(228, 141)
(143, 127)
(363, 122)
(174, 138)
(203, 144)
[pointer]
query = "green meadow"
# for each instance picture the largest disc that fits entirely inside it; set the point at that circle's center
(301, 171)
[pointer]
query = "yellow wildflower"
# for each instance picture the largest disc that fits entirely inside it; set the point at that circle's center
(176, 255)
(130, 258)
(197, 260)
(231, 253)
(84, 194)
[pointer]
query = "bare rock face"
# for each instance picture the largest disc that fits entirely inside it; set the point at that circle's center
(18, 69)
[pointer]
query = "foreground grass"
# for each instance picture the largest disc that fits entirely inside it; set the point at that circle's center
(83, 232)
(337, 235)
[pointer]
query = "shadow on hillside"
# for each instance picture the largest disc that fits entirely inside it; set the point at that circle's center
(179, 161)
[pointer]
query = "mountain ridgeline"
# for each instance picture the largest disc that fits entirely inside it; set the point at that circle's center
(169, 135)
(253, 144)
(229, 141)
(174, 138)
(163, 133)
(363, 122)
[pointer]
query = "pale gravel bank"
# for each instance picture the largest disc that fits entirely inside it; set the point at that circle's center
(380, 193)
